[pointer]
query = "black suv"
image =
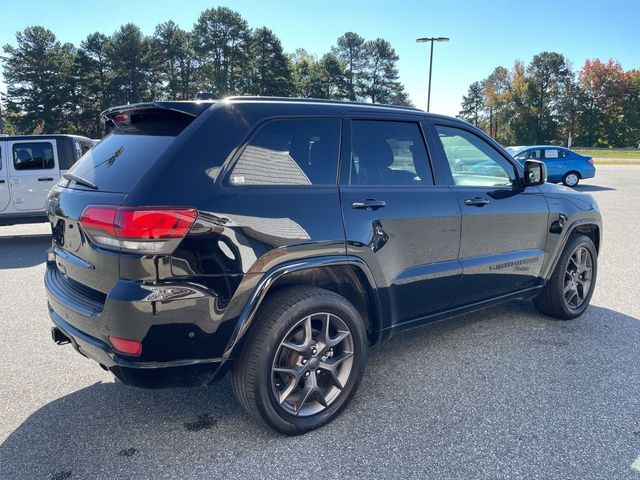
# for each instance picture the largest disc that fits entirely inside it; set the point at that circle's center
(280, 238)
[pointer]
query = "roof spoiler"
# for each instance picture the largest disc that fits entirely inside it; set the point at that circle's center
(122, 113)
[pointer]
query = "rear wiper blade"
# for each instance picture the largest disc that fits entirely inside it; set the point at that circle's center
(80, 180)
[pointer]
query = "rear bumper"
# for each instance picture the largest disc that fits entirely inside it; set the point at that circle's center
(588, 172)
(181, 344)
(183, 373)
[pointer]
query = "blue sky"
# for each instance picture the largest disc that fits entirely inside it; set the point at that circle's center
(483, 34)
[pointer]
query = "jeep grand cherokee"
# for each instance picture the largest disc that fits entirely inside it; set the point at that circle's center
(280, 238)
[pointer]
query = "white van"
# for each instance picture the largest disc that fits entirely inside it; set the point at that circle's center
(29, 166)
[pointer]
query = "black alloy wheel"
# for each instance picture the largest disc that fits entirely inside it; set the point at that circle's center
(577, 277)
(302, 360)
(312, 364)
(567, 293)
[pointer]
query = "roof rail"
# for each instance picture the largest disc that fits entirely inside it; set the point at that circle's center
(316, 100)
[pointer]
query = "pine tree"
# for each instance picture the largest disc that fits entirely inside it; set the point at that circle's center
(37, 76)
(473, 104)
(222, 39)
(270, 70)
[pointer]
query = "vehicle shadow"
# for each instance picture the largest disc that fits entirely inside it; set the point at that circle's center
(592, 188)
(23, 251)
(417, 387)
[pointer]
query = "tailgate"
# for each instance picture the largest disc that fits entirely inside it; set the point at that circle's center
(75, 257)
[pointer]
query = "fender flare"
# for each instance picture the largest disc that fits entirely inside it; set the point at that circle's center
(260, 291)
(563, 241)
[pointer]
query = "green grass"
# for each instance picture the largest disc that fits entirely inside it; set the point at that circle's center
(611, 153)
(617, 162)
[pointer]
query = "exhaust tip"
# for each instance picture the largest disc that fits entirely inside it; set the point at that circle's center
(58, 337)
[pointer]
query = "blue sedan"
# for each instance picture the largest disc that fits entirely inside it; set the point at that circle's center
(563, 165)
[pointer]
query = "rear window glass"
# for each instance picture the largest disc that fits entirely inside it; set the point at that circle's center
(119, 161)
(290, 152)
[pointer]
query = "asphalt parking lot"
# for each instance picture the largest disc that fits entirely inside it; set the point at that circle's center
(503, 393)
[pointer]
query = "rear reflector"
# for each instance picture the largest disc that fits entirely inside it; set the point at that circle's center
(130, 347)
(139, 229)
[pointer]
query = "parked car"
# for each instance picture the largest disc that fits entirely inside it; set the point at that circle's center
(281, 238)
(563, 165)
(29, 166)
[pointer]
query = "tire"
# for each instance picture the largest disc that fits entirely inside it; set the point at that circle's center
(285, 315)
(552, 300)
(571, 179)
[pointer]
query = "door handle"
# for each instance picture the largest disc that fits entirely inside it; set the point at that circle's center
(369, 204)
(476, 202)
(45, 179)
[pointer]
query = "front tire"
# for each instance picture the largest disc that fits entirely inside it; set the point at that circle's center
(568, 292)
(302, 361)
(571, 179)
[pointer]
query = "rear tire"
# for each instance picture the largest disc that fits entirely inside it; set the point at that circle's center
(289, 366)
(568, 292)
(571, 179)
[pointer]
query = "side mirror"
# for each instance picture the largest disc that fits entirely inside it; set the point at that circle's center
(535, 173)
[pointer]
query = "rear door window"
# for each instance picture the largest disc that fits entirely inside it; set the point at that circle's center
(33, 156)
(552, 154)
(388, 153)
(290, 152)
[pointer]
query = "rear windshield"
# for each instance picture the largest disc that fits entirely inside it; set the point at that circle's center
(119, 161)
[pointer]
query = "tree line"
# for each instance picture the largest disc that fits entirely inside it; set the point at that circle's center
(60, 87)
(547, 102)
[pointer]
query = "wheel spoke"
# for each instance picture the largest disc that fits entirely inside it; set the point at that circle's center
(574, 261)
(326, 325)
(583, 261)
(308, 338)
(284, 394)
(332, 366)
(308, 393)
(332, 342)
(295, 373)
(585, 285)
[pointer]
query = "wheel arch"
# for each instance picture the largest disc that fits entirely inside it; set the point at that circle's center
(589, 227)
(345, 275)
(591, 230)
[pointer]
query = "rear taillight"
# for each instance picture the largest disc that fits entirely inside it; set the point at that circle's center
(590, 160)
(137, 229)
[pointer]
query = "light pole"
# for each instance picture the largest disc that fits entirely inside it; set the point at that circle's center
(432, 40)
